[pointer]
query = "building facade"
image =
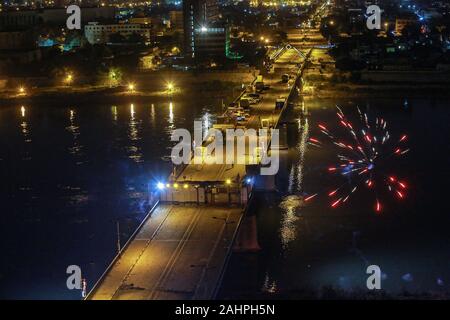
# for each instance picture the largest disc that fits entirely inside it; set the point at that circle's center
(197, 14)
(176, 19)
(52, 16)
(212, 42)
(97, 33)
(17, 40)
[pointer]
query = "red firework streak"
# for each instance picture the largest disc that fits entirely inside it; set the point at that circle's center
(361, 155)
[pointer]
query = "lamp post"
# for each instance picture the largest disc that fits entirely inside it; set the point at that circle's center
(68, 79)
(119, 248)
(170, 88)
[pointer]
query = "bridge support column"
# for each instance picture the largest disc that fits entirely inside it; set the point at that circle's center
(265, 183)
(247, 239)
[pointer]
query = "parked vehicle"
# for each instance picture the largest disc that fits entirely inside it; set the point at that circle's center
(279, 103)
(253, 95)
(265, 123)
(251, 100)
(259, 83)
(244, 103)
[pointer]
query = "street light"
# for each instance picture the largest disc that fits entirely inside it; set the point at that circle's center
(170, 87)
(160, 185)
(22, 90)
(131, 87)
(68, 79)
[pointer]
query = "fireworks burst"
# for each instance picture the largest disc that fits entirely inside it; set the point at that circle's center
(361, 157)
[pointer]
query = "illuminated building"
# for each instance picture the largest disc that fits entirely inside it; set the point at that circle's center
(96, 33)
(212, 42)
(197, 14)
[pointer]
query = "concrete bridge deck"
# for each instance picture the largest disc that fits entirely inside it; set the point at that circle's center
(179, 253)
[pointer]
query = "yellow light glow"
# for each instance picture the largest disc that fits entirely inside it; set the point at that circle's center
(131, 86)
(175, 185)
(69, 78)
(228, 181)
(185, 186)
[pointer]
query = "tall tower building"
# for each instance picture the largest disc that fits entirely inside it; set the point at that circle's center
(197, 14)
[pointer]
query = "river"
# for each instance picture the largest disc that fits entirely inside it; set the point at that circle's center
(69, 173)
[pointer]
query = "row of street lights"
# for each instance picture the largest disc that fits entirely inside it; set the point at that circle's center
(68, 80)
(162, 186)
(170, 87)
(264, 39)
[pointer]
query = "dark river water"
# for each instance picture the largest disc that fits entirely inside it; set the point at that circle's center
(315, 251)
(69, 173)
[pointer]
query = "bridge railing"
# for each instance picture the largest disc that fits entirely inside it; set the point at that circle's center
(119, 254)
(291, 92)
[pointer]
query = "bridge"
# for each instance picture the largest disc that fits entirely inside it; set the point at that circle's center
(181, 249)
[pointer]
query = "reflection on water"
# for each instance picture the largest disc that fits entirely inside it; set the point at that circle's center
(288, 229)
(114, 113)
(269, 286)
(293, 202)
(152, 114)
(171, 113)
(24, 126)
(25, 130)
(76, 148)
(133, 135)
(296, 171)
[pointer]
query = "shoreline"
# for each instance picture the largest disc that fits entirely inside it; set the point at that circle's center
(149, 87)
(107, 95)
(119, 96)
(394, 90)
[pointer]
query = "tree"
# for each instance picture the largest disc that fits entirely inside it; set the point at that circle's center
(116, 38)
(114, 77)
(136, 38)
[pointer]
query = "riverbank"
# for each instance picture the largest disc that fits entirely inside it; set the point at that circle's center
(117, 95)
(323, 81)
(146, 87)
(392, 90)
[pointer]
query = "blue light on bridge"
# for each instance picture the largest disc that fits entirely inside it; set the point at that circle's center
(160, 186)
